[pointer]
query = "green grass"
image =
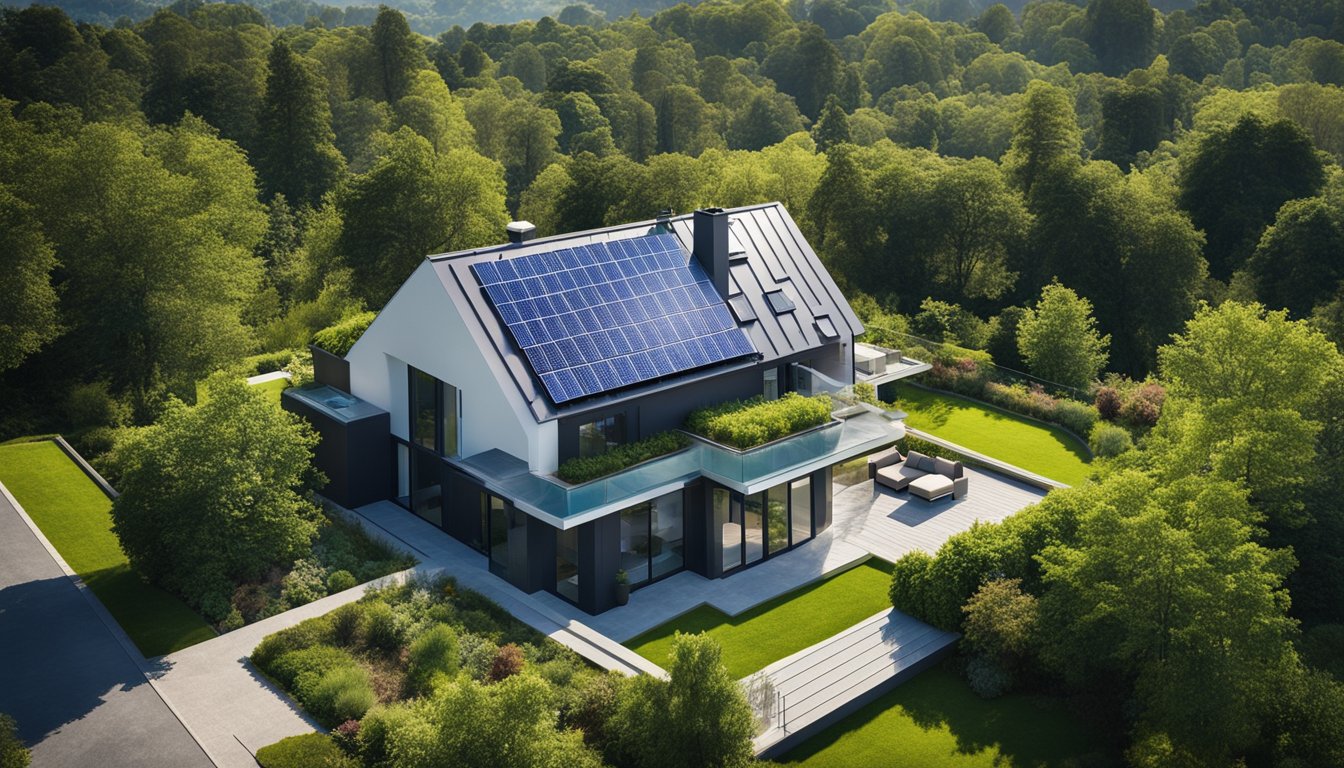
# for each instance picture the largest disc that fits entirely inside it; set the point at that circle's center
(775, 629)
(1044, 449)
(75, 516)
(271, 389)
(936, 721)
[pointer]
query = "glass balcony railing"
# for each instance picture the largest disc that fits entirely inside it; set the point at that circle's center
(746, 471)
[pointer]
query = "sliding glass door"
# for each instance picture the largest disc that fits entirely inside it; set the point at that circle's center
(653, 539)
(756, 526)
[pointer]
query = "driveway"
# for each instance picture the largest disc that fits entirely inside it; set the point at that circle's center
(79, 697)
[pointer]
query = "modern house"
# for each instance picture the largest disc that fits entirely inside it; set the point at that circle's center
(489, 368)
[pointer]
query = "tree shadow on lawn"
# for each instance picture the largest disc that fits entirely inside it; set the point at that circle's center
(61, 662)
(1028, 731)
(157, 621)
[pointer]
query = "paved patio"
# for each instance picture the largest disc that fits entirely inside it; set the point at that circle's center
(890, 525)
(866, 522)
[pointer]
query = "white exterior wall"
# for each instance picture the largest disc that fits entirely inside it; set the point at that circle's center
(421, 326)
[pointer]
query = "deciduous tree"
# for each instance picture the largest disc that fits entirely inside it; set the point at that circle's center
(1058, 338)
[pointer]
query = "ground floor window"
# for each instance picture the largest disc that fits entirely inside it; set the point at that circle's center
(567, 564)
(507, 538)
(756, 526)
(653, 539)
(427, 486)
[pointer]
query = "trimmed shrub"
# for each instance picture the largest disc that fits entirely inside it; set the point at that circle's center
(13, 754)
(748, 423)
(339, 338)
(1109, 440)
(909, 591)
(339, 581)
(306, 583)
(433, 653)
(309, 750)
(303, 635)
(267, 362)
(340, 694)
(508, 662)
(581, 470)
(315, 661)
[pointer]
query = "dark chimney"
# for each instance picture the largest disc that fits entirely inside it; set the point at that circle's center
(711, 245)
(521, 231)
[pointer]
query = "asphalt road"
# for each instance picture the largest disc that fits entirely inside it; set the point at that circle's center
(79, 698)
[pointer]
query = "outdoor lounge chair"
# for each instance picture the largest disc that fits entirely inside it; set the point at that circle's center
(925, 476)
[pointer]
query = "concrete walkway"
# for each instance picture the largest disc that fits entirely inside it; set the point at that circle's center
(822, 684)
(70, 677)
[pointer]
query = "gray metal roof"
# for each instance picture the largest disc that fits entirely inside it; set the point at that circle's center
(774, 256)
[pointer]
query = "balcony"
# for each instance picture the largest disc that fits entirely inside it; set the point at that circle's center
(858, 432)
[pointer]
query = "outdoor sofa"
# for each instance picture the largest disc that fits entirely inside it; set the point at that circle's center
(927, 477)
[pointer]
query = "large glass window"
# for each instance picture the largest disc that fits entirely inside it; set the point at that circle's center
(753, 537)
(426, 487)
(666, 550)
(434, 410)
(567, 564)
(505, 522)
(800, 509)
(728, 527)
(635, 543)
(653, 539)
(600, 436)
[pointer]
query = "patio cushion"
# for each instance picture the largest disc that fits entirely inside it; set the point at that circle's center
(919, 461)
(945, 467)
(899, 476)
(931, 486)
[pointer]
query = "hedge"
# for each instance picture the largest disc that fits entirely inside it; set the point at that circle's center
(581, 470)
(748, 423)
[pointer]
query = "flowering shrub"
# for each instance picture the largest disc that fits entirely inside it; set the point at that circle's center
(1035, 402)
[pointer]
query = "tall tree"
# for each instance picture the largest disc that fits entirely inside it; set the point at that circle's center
(1058, 338)
(1238, 178)
(832, 127)
(1123, 34)
(28, 316)
(216, 494)
(413, 203)
(1300, 259)
(974, 220)
(805, 65)
(296, 150)
(1046, 135)
(396, 54)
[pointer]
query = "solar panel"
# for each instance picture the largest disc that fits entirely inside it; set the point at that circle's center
(602, 316)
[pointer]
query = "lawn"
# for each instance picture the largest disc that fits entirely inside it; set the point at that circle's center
(1044, 449)
(936, 721)
(782, 626)
(76, 518)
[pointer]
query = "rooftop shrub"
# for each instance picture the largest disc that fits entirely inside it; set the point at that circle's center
(339, 338)
(745, 424)
(583, 469)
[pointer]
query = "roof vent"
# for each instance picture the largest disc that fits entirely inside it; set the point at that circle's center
(521, 231)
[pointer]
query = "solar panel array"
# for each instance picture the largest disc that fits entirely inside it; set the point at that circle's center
(599, 317)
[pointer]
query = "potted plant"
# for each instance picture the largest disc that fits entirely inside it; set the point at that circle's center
(622, 588)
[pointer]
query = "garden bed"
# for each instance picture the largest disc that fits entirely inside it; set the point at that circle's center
(744, 424)
(368, 667)
(586, 469)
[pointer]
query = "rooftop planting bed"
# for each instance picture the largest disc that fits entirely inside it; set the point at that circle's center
(582, 470)
(744, 424)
